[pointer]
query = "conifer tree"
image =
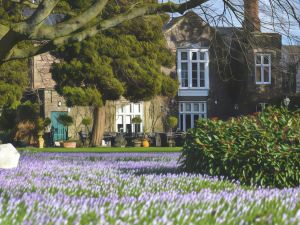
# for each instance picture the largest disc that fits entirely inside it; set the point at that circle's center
(122, 61)
(14, 74)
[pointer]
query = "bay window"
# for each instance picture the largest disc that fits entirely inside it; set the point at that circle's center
(193, 68)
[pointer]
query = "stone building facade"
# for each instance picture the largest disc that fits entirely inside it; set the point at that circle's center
(222, 72)
(118, 113)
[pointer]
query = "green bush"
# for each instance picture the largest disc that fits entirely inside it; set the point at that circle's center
(65, 120)
(172, 121)
(262, 149)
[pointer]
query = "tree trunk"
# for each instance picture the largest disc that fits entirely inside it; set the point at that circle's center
(98, 126)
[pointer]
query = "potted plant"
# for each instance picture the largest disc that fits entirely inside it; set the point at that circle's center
(120, 141)
(137, 142)
(136, 121)
(172, 122)
(67, 121)
(85, 135)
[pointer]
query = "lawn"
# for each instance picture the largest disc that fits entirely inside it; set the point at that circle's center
(132, 188)
(105, 149)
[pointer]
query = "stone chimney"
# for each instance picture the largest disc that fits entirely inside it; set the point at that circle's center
(251, 15)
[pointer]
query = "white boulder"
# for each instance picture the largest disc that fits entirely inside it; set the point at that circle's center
(9, 156)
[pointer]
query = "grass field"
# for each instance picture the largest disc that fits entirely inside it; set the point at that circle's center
(105, 149)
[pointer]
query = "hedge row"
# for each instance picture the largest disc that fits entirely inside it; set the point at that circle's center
(261, 149)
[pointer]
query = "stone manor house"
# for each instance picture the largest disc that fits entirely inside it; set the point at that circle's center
(222, 72)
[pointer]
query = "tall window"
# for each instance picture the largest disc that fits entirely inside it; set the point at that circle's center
(189, 113)
(193, 68)
(125, 113)
(263, 68)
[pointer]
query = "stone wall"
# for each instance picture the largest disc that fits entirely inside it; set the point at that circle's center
(41, 76)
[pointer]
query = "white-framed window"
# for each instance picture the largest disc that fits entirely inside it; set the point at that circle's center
(262, 68)
(193, 68)
(124, 115)
(189, 113)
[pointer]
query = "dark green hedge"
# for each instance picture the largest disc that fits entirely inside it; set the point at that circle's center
(261, 149)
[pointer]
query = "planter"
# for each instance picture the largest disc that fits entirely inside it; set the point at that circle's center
(171, 143)
(137, 144)
(146, 143)
(71, 144)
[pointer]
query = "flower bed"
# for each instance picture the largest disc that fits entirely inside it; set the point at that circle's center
(132, 188)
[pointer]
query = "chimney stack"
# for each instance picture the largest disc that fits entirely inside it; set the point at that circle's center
(251, 15)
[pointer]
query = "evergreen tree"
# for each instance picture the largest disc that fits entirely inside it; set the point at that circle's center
(122, 61)
(14, 74)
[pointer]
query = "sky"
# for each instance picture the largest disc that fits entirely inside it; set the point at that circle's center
(279, 22)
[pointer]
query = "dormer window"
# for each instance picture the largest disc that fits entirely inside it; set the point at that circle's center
(193, 68)
(263, 68)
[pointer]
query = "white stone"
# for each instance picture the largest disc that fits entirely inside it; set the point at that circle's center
(9, 156)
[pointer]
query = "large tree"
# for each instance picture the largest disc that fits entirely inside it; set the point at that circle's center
(123, 61)
(79, 26)
(13, 74)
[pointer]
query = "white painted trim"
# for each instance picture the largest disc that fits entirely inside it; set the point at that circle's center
(184, 113)
(262, 66)
(131, 114)
(193, 92)
(190, 61)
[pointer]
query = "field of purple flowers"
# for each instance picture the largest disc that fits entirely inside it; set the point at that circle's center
(132, 188)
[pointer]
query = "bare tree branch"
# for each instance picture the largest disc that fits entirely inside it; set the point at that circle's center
(83, 26)
(71, 25)
(3, 30)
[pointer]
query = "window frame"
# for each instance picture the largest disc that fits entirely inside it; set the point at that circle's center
(183, 112)
(262, 66)
(190, 70)
(129, 110)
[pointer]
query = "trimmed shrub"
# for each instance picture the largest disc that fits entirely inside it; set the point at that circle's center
(262, 149)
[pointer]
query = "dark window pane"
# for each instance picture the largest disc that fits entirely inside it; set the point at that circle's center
(266, 59)
(202, 79)
(196, 107)
(202, 83)
(202, 66)
(188, 121)
(202, 55)
(181, 121)
(258, 59)
(184, 56)
(128, 128)
(137, 128)
(120, 128)
(258, 74)
(266, 74)
(194, 55)
(188, 107)
(184, 75)
(194, 75)
(196, 117)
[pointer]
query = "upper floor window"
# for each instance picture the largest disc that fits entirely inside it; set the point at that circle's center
(193, 68)
(263, 68)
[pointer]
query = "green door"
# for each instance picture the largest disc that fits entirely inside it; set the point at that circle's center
(59, 131)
